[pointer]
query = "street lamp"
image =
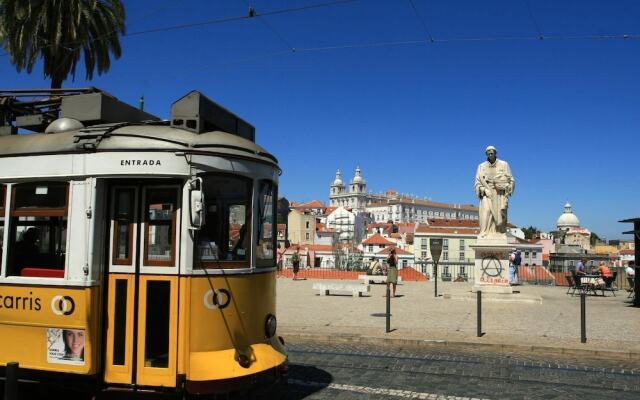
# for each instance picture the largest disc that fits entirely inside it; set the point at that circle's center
(436, 250)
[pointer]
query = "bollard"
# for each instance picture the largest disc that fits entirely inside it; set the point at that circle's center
(479, 313)
(583, 318)
(388, 309)
(11, 381)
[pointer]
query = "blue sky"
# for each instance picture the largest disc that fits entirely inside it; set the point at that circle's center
(564, 112)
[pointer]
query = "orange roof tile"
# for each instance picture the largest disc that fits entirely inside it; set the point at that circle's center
(458, 231)
(399, 251)
(310, 204)
(377, 239)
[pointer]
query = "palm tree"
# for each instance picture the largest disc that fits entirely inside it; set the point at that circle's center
(60, 32)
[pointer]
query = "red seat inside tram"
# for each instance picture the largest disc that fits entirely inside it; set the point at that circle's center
(42, 272)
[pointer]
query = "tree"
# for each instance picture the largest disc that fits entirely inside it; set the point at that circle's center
(594, 239)
(530, 232)
(60, 32)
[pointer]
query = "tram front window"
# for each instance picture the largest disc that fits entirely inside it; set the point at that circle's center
(37, 239)
(224, 240)
(3, 197)
(265, 255)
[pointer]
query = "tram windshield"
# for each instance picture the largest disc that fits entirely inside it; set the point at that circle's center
(38, 232)
(3, 199)
(265, 254)
(224, 240)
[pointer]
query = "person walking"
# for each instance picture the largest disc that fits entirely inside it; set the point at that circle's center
(392, 270)
(295, 259)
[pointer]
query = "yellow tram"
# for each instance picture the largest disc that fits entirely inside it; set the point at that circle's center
(137, 253)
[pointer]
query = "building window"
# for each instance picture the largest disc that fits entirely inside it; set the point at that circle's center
(38, 233)
(424, 243)
(306, 224)
(404, 263)
(461, 244)
(424, 255)
(461, 256)
(370, 248)
(534, 254)
(445, 256)
(463, 270)
(526, 254)
(381, 246)
(306, 236)
(445, 244)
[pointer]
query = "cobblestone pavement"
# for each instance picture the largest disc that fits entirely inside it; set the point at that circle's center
(356, 371)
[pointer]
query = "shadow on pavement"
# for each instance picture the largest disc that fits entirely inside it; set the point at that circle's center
(305, 380)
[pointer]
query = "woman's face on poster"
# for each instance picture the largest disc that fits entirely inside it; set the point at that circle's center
(75, 341)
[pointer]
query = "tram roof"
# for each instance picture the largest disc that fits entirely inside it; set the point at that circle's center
(151, 137)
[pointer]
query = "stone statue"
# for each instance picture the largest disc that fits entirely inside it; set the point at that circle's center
(494, 185)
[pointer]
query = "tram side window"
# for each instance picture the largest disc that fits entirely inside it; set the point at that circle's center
(38, 235)
(160, 236)
(224, 240)
(266, 224)
(3, 199)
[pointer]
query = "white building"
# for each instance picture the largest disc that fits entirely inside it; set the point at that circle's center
(392, 206)
(568, 225)
(350, 226)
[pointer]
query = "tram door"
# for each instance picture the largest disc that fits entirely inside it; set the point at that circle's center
(143, 285)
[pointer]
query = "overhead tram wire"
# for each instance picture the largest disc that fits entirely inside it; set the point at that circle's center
(243, 17)
(533, 19)
(225, 20)
(411, 42)
(253, 13)
(422, 21)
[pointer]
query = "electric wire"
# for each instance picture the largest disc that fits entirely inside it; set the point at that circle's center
(252, 13)
(221, 21)
(422, 21)
(242, 17)
(533, 19)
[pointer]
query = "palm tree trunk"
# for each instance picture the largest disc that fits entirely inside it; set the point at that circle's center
(56, 82)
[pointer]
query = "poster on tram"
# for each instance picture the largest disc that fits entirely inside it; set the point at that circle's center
(65, 346)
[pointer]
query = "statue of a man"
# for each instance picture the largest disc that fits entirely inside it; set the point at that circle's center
(494, 185)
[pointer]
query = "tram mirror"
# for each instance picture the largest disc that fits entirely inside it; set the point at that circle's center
(197, 203)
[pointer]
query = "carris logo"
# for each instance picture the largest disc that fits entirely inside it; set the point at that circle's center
(220, 300)
(62, 305)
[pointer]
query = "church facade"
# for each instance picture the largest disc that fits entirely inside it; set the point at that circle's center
(392, 206)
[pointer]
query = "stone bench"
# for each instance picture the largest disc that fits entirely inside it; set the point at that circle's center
(375, 279)
(355, 289)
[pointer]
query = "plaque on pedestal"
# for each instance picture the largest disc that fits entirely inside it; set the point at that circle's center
(492, 265)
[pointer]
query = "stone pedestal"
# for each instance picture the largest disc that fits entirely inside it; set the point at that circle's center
(492, 264)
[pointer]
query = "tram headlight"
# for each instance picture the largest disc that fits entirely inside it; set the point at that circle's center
(270, 326)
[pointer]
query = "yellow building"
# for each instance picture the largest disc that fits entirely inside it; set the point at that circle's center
(301, 227)
(604, 249)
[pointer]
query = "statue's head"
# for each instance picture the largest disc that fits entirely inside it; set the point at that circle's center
(491, 153)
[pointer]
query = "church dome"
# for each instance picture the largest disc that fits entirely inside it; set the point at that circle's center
(568, 219)
(358, 178)
(338, 180)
